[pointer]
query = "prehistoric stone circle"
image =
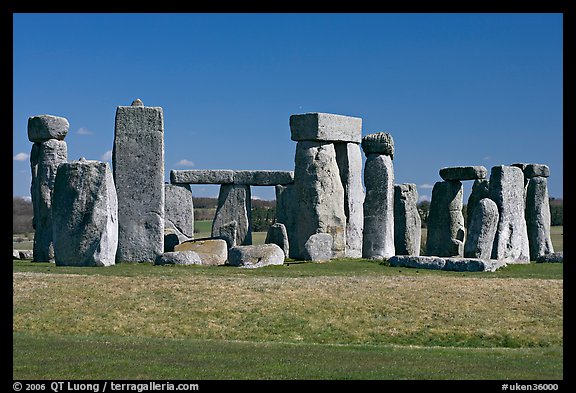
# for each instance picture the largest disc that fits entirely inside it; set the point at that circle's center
(234, 204)
(85, 214)
(278, 235)
(445, 220)
(407, 221)
(507, 191)
(48, 152)
(255, 256)
(482, 226)
(378, 236)
(138, 160)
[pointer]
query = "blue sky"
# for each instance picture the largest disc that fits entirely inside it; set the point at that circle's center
(452, 89)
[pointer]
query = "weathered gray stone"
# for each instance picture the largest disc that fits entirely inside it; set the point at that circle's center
(278, 235)
(286, 211)
(463, 173)
(555, 257)
(229, 233)
(538, 218)
(379, 143)
(179, 208)
(480, 190)
(15, 254)
(507, 190)
(44, 159)
(449, 264)
(319, 247)
(482, 226)
(211, 252)
(533, 170)
(44, 127)
(318, 196)
(26, 254)
(138, 160)
(446, 221)
(137, 102)
(234, 204)
(85, 214)
(325, 127)
(349, 160)
(179, 258)
(255, 256)
(378, 236)
(202, 176)
(263, 178)
(407, 221)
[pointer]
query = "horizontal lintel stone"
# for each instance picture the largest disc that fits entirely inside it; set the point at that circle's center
(225, 176)
(463, 173)
(325, 127)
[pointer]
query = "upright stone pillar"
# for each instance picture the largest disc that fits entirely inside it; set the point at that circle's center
(507, 191)
(378, 236)
(319, 198)
(138, 160)
(537, 215)
(407, 221)
(234, 205)
(48, 152)
(480, 190)
(285, 214)
(482, 226)
(178, 215)
(446, 222)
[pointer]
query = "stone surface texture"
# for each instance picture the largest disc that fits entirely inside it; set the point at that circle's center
(538, 218)
(255, 256)
(443, 263)
(482, 226)
(379, 143)
(187, 257)
(234, 204)
(278, 235)
(463, 173)
(446, 230)
(480, 190)
(319, 247)
(179, 208)
(325, 127)
(44, 127)
(407, 221)
(211, 252)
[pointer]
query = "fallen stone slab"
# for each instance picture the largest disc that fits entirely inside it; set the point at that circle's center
(44, 127)
(319, 247)
(26, 254)
(211, 251)
(325, 127)
(463, 173)
(186, 257)
(448, 264)
(554, 257)
(255, 256)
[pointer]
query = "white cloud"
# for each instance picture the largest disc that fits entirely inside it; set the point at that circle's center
(487, 158)
(425, 185)
(20, 157)
(184, 163)
(84, 131)
(423, 198)
(257, 197)
(106, 156)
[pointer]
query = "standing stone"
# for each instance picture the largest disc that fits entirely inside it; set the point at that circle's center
(45, 158)
(138, 160)
(229, 233)
(446, 221)
(482, 226)
(538, 218)
(178, 214)
(85, 215)
(407, 222)
(318, 196)
(507, 190)
(349, 160)
(285, 214)
(277, 235)
(234, 204)
(319, 247)
(480, 190)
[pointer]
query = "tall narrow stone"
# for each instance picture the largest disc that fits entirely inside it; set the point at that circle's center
(349, 159)
(85, 215)
(407, 222)
(482, 226)
(178, 215)
(234, 204)
(507, 191)
(378, 236)
(285, 214)
(45, 158)
(479, 191)
(138, 160)
(446, 221)
(318, 197)
(538, 217)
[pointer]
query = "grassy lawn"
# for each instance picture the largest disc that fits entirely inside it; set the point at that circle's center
(346, 319)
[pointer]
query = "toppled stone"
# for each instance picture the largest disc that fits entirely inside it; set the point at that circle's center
(449, 264)
(26, 254)
(44, 127)
(407, 221)
(85, 215)
(482, 227)
(255, 256)
(187, 257)
(554, 257)
(211, 252)
(463, 173)
(325, 127)
(278, 235)
(379, 143)
(319, 247)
